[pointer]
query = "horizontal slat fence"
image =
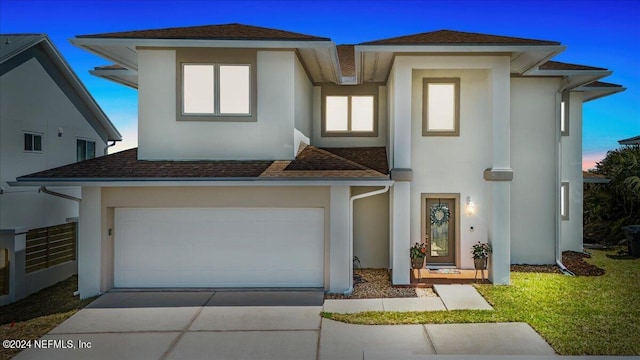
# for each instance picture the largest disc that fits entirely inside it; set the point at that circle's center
(50, 246)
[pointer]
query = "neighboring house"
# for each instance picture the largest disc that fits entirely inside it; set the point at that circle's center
(269, 158)
(47, 119)
(630, 141)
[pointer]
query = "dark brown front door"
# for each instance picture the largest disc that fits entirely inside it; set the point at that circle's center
(440, 231)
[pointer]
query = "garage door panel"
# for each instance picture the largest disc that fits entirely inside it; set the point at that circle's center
(221, 247)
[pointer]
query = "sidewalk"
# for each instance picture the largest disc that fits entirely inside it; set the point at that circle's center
(451, 297)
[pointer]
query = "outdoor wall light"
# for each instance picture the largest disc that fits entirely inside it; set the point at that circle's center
(470, 207)
(60, 132)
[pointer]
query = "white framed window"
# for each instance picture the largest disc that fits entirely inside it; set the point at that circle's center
(216, 89)
(564, 114)
(441, 107)
(349, 115)
(32, 142)
(85, 149)
(564, 201)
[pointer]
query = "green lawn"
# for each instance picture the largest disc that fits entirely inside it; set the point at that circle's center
(576, 315)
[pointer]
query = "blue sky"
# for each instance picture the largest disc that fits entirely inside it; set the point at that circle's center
(598, 33)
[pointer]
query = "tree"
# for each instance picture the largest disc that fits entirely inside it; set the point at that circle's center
(608, 207)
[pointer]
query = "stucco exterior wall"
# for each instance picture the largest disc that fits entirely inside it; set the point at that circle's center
(31, 101)
(371, 228)
(303, 103)
(533, 191)
(571, 231)
(100, 243)
(162, 137)
(454, 164)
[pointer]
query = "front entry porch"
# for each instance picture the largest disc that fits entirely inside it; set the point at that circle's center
(426, 277)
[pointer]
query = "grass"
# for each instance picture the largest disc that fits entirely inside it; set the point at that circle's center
(39, 313)
(575, 315)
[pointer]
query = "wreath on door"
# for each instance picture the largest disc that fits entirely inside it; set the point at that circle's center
(439, 214)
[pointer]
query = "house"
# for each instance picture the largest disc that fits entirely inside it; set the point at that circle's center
(47, 119)
(269, 158)
(630, 141)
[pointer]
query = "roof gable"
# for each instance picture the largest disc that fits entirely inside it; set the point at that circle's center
(450, 37)
(233, 31)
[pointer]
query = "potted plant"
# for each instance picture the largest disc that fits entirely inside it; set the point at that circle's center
(417, 254)
(480, 252)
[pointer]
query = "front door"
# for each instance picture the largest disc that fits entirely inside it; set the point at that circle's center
(440, 231)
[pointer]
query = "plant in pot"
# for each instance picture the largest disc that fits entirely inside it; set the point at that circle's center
(480, 252)
(417, 254)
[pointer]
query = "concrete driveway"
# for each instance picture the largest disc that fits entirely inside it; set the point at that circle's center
(259, 325)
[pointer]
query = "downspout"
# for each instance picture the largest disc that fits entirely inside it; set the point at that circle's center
(351, 200)
(113, 143)
(44, 189)
(558, 178)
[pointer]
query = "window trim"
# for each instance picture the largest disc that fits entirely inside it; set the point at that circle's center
(564, 200)
(564, 114)
(33, 151)
(425, 110)
(217, 57)
(370, 89)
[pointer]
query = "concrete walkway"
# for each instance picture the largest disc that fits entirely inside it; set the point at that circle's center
(451, 297)
(198, 325)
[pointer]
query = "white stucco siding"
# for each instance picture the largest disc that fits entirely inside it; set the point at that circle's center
(533, 189)
(371, 228)
(31, 101)
(303, 101)
(161, 136)
(454, 164)
(571, 231)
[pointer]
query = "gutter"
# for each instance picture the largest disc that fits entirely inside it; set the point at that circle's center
(113, 143)
(44, 189)
(351, 200)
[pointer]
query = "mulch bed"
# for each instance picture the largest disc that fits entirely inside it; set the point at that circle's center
(574, 261)
(376, 283)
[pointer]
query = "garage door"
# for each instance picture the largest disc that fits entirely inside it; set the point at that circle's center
(219, 247)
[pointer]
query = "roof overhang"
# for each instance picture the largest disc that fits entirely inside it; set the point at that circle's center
(373, 62)
(204, 182)
(121, 76)
(573, 78)
(320, 57)
(592, 91)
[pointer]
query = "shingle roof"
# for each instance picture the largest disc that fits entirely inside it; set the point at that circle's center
(602, 84)
(556, 65)
(347, 59)
(210, 32)
(111, 67)
(311, 162)
(450, 37)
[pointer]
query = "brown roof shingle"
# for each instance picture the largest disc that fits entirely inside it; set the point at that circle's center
(346, 56)
(450, 37)
(311, 162)
(233, 31)
(556, 65)
(602, 84)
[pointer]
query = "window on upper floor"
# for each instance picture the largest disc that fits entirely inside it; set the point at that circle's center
(32, 142)
(441, 107)
(349, 114)
(216, 90)
(564, 114)
(85, 149)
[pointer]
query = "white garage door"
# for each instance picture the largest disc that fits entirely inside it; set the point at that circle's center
(219, 247)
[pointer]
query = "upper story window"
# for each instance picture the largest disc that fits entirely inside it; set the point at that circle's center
(32, 142)
(85, 149)
(349, 114)
(216, 89)
(216, 84)
(441, 107)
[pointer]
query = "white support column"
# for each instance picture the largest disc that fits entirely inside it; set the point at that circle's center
(339, 246)
(400, 232)
(90, 242)
(400, 213)
(501, 175)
